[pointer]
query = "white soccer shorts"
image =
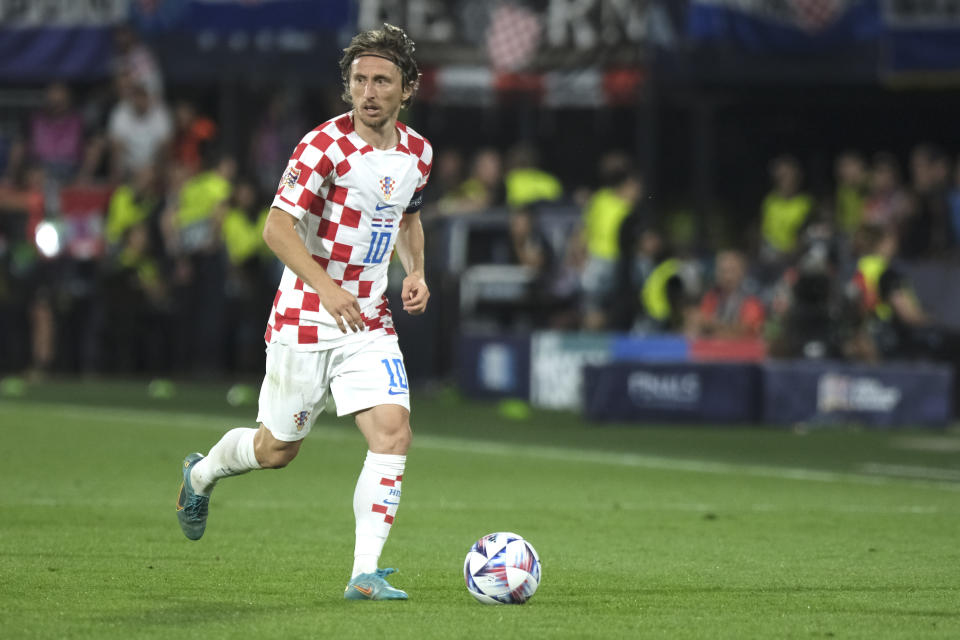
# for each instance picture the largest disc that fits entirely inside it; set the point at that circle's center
(362, 373)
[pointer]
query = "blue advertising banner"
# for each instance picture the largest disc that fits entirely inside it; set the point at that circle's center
(789, 26)
(240, 15)
(691, 392)
(922, 36)
(494, 366)
(629, 348)
(44, 39)
(831, 392)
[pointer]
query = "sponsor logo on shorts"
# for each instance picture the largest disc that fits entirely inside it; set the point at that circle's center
(300, 419)
(391, 503)
(396, 393)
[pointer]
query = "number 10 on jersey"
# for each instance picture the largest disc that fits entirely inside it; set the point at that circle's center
(379, 243)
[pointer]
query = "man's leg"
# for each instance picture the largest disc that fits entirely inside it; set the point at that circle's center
(294, 386)
(238, 451)
(377, 496)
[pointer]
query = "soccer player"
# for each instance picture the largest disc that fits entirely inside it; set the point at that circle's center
(351, 192)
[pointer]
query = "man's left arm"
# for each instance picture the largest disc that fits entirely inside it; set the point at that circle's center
(414, 291)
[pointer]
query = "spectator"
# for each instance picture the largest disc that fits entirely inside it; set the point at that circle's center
(728, 309)
(135, 300)
(887, 204)
(247, 288)
(785, 211)
(850, 171)
(526, 183)
(26, 310)
(56, 133)
(641, 250)
(605, 212)
(135, 62)
(926, 229)
(140, 130)
(893, 313)
(131, 204)
(193, 135)
(483, 189)
(199, 266)
(667, 296)
(810, 316)
(528, 247)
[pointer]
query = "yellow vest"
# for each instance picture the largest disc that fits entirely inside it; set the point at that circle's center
(243, 237)
(199, 196)
(849, 203)
(782, 219)
(124, 212)
(526, 186)
(605, 213)
(871, 269)
(654, 291)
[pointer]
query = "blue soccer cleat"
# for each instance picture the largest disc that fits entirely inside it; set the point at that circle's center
(191, 507)
(372, 586)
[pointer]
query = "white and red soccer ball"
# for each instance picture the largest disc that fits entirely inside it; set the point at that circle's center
(502, 568)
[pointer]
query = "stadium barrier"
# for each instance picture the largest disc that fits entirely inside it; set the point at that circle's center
(666, 378)
(672, 392)
(494, 366)
(834, 392)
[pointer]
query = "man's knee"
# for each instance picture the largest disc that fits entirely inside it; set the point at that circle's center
(272, 453)
(400, 438)
(393, 438)
(275, 458)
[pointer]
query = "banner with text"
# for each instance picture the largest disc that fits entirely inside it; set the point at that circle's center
(707, 393)
(831, 392)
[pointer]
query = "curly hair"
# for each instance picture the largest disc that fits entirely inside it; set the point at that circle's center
(391, 43)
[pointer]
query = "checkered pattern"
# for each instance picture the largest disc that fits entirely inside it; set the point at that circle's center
(512, 37)
(348, 223)
(382, 508)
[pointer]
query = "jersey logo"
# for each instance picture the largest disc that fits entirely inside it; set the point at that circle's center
(291, 176)
(383, 205)
(300, 419)
(386, 185)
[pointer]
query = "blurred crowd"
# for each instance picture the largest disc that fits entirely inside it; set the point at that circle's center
(130, 240)
(175, 276)
(807, 275)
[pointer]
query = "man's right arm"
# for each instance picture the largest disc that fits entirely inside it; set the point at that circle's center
(281, 236)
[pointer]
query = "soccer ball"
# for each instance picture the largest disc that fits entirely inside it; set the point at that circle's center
(502, 568)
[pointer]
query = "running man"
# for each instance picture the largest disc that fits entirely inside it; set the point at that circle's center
(351, 193)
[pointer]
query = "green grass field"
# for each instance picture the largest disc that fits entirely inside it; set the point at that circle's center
(643, 532)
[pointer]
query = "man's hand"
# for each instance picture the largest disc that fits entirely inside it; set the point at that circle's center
(414, 294)
(343, 306)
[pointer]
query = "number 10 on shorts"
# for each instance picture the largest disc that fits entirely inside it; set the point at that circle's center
(398, 376)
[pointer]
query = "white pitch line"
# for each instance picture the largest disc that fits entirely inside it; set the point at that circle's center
(911, 471)
(871, 474)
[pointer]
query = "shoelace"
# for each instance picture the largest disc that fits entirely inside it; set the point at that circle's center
(197, 507)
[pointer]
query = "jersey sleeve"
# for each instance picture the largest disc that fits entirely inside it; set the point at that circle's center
(308, 168)
(424, 165)
(424, 152)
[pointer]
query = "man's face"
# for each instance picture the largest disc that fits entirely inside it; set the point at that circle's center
(376, 88)
(730, 271)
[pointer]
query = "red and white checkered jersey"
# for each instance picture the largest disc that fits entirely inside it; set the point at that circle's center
(349, 199)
